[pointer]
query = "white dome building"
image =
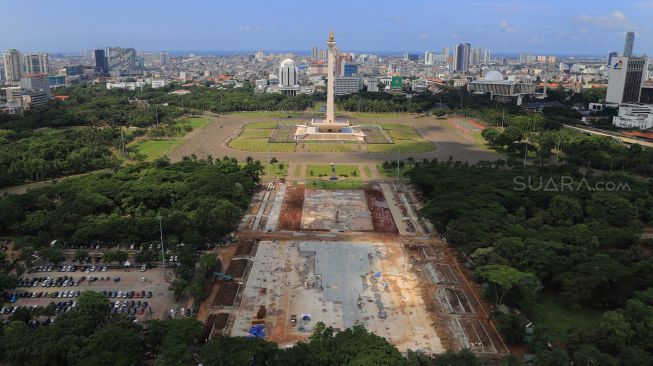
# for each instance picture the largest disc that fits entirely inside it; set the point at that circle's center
(288, 73)
(493, 76)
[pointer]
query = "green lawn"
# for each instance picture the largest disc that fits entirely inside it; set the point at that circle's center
(403, 146)
(255, 133)
(396, 126)
(552, 312)
(153, 149)
(330, 147)
(392, 173)
(367, 171)
(369, 115)
(262, 145)
(276, 170)
(335, 184)
(261, 125)
(404, 135)
(325, 170)
(194, 122)
(298, 170)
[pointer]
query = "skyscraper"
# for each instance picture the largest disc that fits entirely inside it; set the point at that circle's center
(461, 58)
(487, 57)
(122, 61)
(13, 65)
(429, 58)
(630, 41)
(446, 52)
(625, 79)
(35, 63)
(164, 57)
(288, 78)
(101, 64)
(314, 53)
(611, 55)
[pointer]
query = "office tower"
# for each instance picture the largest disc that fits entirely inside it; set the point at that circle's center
(323, 54)
(611, 55)
(446, 52)
(164, 58)
(37, 90)
(259, 55)
(429, 58)
(35, 63)
(461, 58)
(121, 61)
(288, 77)
(630, 41)
(625, 79)
(314, 53)
(487, 57)
(475, 56)
(406, 56)
(101, 64)
(13, 65)
(349, 69)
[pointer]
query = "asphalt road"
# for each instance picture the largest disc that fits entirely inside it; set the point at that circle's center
(212, 140)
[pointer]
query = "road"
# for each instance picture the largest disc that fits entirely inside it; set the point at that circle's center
(212, 140)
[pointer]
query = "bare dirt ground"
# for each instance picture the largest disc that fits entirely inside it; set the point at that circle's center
(381, 215)
(292, 209)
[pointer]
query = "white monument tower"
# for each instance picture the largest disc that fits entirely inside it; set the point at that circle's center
(330, 107)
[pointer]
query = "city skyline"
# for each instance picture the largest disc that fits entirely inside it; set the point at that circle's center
(581, 28)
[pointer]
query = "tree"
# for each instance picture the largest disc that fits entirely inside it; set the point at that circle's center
(111, 345)
(512, 327)
(502, 279)
(452, 358)
(81, 255)
(54, 255)
(236, 351)
(93, 305)
(179, 337)
(590, 355)
(178, 286)
(614, 331)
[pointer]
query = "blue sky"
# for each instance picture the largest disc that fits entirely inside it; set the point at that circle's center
(544, 26)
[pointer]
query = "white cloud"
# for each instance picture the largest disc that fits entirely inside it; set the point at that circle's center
(617, 19)
(423, 36)
(249, 28)
(646, 4)
(506, 27)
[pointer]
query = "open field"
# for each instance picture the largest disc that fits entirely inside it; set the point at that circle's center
(278, 114)
(153, 149)
(331, 147)
(255, 133)
(335, 184)
(554, 313)
(275, 170)
(350, 171)
(440, 141)
(194, 122)
(392, 172)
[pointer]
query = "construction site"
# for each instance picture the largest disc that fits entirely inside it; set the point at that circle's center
(346, 257)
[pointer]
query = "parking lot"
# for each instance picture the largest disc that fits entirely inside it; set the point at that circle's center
(142, 294)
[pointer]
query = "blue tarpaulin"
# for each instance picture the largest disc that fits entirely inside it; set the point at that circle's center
(257, 331)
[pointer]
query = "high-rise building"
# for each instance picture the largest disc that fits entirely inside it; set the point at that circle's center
(101, 63)
(122, 61)
(461, 58)
(314, 53)
(446, 52)
(406, 56)
(37, 90)
(487, 57)
(35, 63)
(630, 41)
(625, 79)
(349, 69)
(429, 58)
(611, 55)
(13, 65)
(259, 55)
(288, 77)
(164, 58)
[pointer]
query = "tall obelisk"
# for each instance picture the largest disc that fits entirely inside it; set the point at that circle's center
(330, 107)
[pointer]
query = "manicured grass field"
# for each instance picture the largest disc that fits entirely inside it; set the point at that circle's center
(367, 171)
(369, 115)
(330, 147)
(552, 312)
(298, 170)
(255, 133)
(337, 184)
(153, 149)
(262, 145)
(404, 135)
(403, 146)
(276, 170)
(194, 122)
(325, 170)
(261, 125)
